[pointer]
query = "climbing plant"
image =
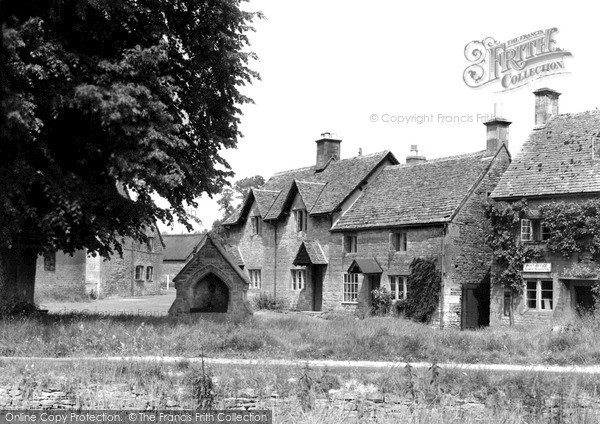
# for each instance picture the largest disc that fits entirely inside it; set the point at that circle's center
(424, 288)
(574, 227)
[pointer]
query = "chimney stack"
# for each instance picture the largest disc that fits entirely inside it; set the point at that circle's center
(414, 157)
(328, 146)
(496, 132)
(546, 106)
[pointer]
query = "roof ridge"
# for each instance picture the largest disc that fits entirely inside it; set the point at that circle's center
(306, 168)
(442, 159)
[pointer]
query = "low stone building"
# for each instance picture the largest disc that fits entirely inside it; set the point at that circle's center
(211, 284)
(137, 272)
(179, 249)
(560, 162)
(322, 237)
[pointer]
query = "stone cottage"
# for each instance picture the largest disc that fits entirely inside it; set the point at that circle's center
(211, 284)
(560, 162)
(322, 237)
(137, 272)
(179, 249)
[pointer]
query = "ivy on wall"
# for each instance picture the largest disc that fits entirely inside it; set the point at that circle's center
(509, 253)
(574, 227)
(424, 288)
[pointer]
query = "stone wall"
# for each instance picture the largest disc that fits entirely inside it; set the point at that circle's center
(68, 276)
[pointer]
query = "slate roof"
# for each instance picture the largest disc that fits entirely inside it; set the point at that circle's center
(179, 247)
(313, 250)
(556, 159)
(323, 192)
(365, 266)
(423, 193)
(235, 254)
(264, 199)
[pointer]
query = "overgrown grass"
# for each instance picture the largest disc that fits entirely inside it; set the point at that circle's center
(304, 395)
(294, 336)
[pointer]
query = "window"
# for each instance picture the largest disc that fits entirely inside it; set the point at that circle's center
(256, 222)
(596, 147)
(399, 286)
(298, 279)
(149, 272)
(300, 215)
(398, 241)
(150, 244)
(350, 244)
(351, 288)
(526, 230)
(50, 261)
(255, 282)
(139, 272)
(539, 295)
(534, 230)
(507, 301)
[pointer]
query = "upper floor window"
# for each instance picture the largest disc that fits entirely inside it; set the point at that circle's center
(149, 273)
(350, 243)
(350, 288)
(50, 261)
(256, 223)
(534, 230)
(151, 244)
(301, 219)
(398, 241)
(298, 279)
(596, 147)
(539, 295)
(255, 278)
(139, 272)
(399, 286)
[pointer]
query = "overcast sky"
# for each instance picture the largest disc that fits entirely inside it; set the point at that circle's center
(330, 65)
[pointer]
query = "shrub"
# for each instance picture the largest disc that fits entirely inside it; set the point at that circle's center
(381, 301)
(268, 302)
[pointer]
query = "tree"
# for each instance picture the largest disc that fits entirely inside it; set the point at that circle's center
(99, 96)
(240, 190)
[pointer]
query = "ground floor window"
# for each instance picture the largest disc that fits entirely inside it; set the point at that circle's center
(139, 272)
(149, 273)
(255, 278)
(539, 294)
(49, 261)
(399, 286)
(350, 287)
(298, 279)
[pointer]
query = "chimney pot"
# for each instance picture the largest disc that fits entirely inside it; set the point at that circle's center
(546, 106)
(414, 158)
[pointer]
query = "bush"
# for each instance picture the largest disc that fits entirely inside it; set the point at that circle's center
(381, 301)
(267, 302)
(424, 287)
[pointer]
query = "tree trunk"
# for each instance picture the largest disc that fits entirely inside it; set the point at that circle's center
(17, 276)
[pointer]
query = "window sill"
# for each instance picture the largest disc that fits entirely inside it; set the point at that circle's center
(349, 303)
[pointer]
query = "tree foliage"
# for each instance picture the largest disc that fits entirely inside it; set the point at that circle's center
(99, 95)
(241, 189)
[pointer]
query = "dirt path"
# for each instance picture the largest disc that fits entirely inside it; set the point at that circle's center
(591, 369)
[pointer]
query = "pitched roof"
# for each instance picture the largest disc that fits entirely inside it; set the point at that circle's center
(322, 192)
(556, 159)
(264, 199)
(422, 193)
(235, 254)
(310, 253)
(365, 266)
(179, 247)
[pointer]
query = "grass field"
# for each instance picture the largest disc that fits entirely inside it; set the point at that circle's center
(296, 336)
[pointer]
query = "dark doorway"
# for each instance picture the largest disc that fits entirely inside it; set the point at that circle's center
(374, 281)
(210, 295)
(476, 304)
(318, 271)
(584, 299)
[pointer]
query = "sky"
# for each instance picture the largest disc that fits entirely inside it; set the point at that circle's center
(353, 67)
